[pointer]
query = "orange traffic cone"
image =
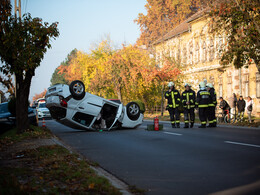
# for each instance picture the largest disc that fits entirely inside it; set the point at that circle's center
(43, 123)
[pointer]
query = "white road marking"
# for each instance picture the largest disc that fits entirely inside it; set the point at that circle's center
(172, 133)
(243, 144)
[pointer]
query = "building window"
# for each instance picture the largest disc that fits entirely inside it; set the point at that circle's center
(178, 54)
(204, 52)
(190, 52)
(170, 53)
(219, 47)
(197, 53)
(184, 55)
(211, 50)
(258, 85)
(246, 85)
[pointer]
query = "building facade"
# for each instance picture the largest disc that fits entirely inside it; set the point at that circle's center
(199, 52)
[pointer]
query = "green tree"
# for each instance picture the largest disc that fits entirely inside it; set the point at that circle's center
(23, 42)
(239, 20)
(61, 76)
(58, 78)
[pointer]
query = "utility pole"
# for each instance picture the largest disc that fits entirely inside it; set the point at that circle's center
(17, 9)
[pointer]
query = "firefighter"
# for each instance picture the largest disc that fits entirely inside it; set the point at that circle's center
(188, 101)
(203, 98)
(173, 97)
(212, 105)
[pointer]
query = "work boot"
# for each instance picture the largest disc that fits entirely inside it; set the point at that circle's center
(173, 126)
(210, 125)
(186, 125)
(191, 125)
(214, 124)
(202, 126)
(178, 125)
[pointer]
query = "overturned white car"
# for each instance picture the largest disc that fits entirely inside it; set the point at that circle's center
(73, 107)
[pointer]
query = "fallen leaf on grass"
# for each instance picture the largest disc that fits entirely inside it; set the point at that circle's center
(91, 186)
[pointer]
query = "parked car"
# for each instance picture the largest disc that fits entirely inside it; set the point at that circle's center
(4, 112)
(72, 106)
(42, 111)
(7, 117)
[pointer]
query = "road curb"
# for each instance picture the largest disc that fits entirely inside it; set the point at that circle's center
(117, 183)
(226, 126)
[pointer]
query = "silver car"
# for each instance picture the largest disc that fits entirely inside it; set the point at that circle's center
(72, 106)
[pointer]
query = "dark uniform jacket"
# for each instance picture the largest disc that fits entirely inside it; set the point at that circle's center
(224, 105)
(188, 96)
(241, 104)
(213, 97)
(203, 98)
(173, 98)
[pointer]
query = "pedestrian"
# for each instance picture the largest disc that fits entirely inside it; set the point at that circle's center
(249, 108)
(173, 97)
(233, 104)
(224, 106)
(241, 104)
(203, 99)
(212, 106)
(188, 101)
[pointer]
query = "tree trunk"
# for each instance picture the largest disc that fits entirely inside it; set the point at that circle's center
(162, 102)
(22, 95)
(119, 94)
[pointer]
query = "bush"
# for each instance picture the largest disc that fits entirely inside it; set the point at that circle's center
(141, 105)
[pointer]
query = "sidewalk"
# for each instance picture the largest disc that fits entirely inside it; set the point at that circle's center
(219, 125)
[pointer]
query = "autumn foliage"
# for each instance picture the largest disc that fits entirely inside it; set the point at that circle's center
(240, 21)
(162, 16)
(39, 95)
(128, 73)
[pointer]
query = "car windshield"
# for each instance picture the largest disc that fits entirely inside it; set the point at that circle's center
(3, 108)
(42, 105)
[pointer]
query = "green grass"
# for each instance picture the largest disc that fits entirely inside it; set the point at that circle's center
(47, 169)
(34, 132)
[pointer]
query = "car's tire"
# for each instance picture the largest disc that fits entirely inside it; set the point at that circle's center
(77, 89)
(133, 111)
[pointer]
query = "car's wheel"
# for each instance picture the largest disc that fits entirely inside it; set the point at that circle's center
(77, 89)
(133, 110)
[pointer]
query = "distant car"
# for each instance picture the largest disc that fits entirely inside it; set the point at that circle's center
(72, 106)
(42, 111)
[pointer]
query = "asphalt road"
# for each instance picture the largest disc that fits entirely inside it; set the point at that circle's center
(174, 161)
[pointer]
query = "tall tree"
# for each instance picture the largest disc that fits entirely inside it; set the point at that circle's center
(60, 75)
(23, 42)
(162, 16)
(240, 21)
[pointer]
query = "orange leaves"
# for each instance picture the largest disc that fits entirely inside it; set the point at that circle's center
(39, 95)
(162, 16)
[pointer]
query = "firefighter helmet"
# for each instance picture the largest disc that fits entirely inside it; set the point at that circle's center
(187, 84)
(171, 84)
(202, 85)
(209, 85)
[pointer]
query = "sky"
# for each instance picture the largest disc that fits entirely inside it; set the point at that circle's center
(82, 23)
